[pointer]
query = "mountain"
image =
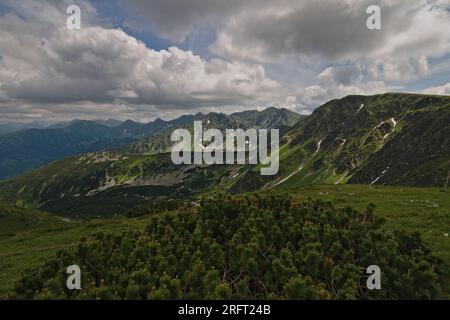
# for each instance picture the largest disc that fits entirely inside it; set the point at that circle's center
(398, 139)
(29, 149)
(271, 118)
(108, 123)
(6, 128)
(10, 127)
(418, 155)
(395, 139)
(268, 118)
(133, 174)
(15, 220)
(139, 130)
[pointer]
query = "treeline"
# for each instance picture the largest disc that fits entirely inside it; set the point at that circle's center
(246, 247)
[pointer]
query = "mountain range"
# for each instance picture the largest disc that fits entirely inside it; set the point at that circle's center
(29, 149)
(394, 139)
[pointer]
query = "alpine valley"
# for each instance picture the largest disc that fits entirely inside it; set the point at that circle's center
(84, 177)
(391, 139)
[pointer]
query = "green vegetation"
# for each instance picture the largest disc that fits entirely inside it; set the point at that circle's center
(424, 210)
(396, 139)
(30, 149)
(14, 220)
(358, 137)
(29, 249)
(265, 247)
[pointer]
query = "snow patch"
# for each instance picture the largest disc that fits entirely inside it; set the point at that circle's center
(380, 176)
(318, 147)
(342, 144)
(394, 123)
(378, 125)
(289, 176)
(360, 108)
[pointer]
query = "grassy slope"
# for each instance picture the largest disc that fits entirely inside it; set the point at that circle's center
(426, 210)
(352, 140)
(423, 210)
(30, 248)
(14, 220)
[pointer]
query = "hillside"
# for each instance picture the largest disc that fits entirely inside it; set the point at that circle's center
(347, 140)
(14, 220)
(423, 210)
(29, 149)
(270, 118)
(109, 183)
(113, 182)
(394, 139)
(253, 247)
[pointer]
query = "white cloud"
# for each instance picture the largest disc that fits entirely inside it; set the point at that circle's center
(334, 83)
(176, 19)
(48, 64)
(324, 31)
(98, 64)
(49, 70)
(444, 89)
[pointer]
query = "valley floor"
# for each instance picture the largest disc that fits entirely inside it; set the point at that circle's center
(423, 210)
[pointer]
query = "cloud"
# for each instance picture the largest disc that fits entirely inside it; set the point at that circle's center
(48, 70)
(444, 90)
(175, 19)
(47, 64)
(335, 83)
(326, 31)
(336, 29)
(317, 34)
(102, 65)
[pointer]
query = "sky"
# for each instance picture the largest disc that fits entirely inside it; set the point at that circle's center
(148, 59)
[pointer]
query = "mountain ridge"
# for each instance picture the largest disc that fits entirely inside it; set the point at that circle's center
(32, 148)
(342, 141)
